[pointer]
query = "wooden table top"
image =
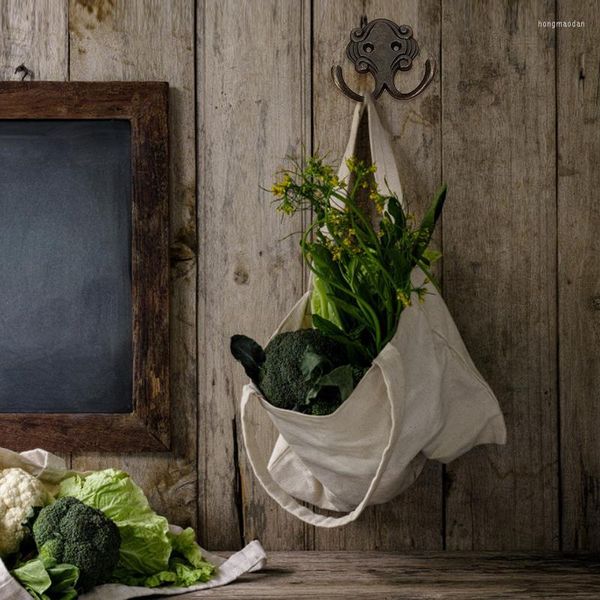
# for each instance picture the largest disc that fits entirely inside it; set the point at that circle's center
(416, 576)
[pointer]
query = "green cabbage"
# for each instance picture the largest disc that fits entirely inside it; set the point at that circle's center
(150, 554)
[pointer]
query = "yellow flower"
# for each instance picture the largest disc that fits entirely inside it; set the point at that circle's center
(286, 208)
(281, 187)
(403, 298)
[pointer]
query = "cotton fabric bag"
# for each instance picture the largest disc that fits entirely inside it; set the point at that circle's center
(423, 398)
(51, 470)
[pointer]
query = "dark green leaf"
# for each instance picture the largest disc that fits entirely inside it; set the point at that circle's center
(249, 354)
(325, 326)
(314, 365)
(337, 385)
(429, 221)
(394, 208)
(357, 353)
(346, 307)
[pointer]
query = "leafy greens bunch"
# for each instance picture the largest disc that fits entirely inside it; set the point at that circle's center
(99, 529)
(362, 272)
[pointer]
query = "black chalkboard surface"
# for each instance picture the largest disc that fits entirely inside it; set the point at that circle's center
(65, 266)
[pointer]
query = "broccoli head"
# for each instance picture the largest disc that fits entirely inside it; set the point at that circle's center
(71, 532)
(281, 377)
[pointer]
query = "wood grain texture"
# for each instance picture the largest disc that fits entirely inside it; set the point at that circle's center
(450, 576)
(500, 263)
(415, 518)
(34, 33)
(487, 127)
(63, 433)
(579, 273)
(253, 113)
(154, 40)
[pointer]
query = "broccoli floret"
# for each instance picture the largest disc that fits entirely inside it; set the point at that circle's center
(281, 378)
(71, 532)
(321, 408)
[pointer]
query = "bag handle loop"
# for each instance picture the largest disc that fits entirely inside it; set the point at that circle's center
(289, 503)
(382, 154)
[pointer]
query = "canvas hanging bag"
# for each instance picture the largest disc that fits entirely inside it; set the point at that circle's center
(422, 398)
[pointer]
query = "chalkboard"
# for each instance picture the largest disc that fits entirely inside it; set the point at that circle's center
(84, 266)
(65, 266)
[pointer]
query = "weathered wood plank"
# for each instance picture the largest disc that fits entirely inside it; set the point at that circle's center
(253, 113)
(34, 32)
(154, 40)
(376, 575)
(414, 520)
(579, 273)
(500, 262)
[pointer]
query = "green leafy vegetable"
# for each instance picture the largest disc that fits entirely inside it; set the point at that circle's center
(71, 532)
(46, 580)
(321, 304)
(361, 284)
(361, 271)
(150, 554)
(335, 386)
(329, 386)
(186, 565)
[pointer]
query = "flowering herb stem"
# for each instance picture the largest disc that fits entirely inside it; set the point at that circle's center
(362, 271)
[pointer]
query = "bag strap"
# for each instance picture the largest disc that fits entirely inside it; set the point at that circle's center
(289, 503)
(359, 109)
(382, 154)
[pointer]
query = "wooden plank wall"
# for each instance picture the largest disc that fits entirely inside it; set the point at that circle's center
(578, 282)
(498, 157)
(142, 40)
(511, 123)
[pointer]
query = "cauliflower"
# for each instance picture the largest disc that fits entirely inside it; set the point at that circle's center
(20, 492)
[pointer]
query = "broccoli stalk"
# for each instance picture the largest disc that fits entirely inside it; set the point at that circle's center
(71, 532)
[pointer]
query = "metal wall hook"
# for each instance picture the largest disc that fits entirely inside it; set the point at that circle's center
(382, 48)
(26, 72)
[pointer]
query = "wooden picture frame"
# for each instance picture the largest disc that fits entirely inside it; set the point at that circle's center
(145, 106)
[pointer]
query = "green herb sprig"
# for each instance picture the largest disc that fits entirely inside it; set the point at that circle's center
(362, 272)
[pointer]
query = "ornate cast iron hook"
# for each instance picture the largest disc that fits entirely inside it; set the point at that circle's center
(382, 48)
